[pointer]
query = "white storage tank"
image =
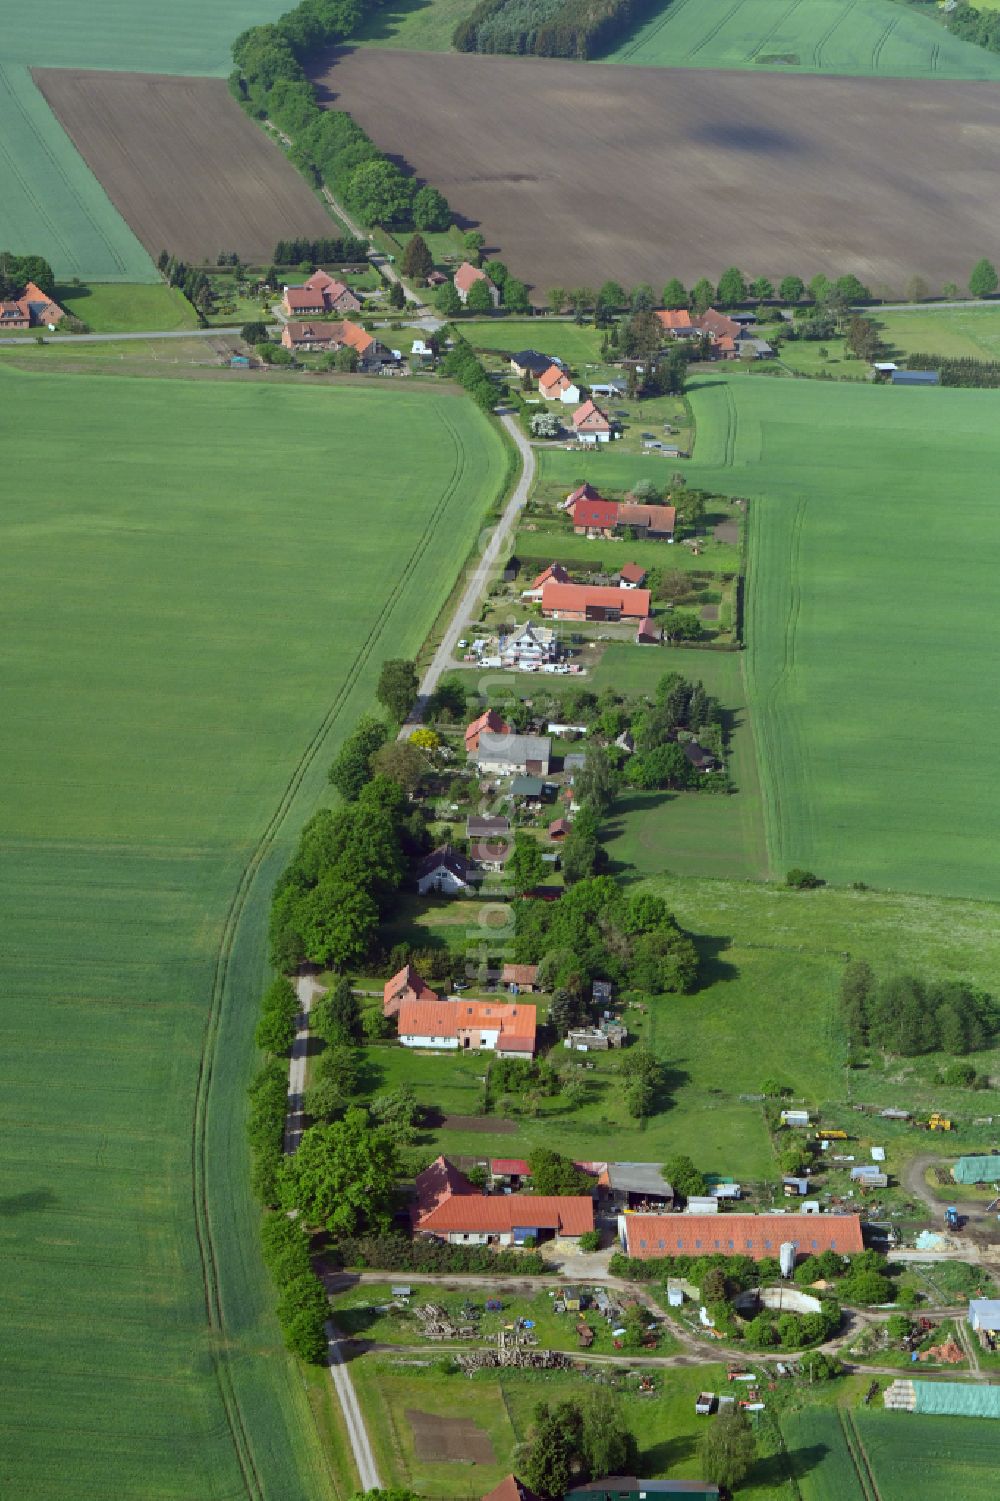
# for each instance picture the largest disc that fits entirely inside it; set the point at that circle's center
(786, 1257)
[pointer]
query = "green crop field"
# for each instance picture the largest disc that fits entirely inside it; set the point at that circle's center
(862, 37)
(874, 548)
(52, 204)
(191, 618)
(916, 1458)
(130, 35)
(819, 1445)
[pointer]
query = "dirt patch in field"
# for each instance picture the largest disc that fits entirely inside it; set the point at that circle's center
(187, 170)
(440, 1440)
(727, 531)
(487, 1124)
(709, 612)
(577, 173)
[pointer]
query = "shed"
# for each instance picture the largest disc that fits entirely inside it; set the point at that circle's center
(701, 1204)
(529, 787)
(984, 1314)
(915, 377)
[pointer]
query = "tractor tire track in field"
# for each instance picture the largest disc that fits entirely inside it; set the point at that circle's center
(862, 1464)
(838, 20)
(732, 429)
(646, 35)
(253, 1484)
(713, 31)
(762, 43)
(68, 187)
(879, 45)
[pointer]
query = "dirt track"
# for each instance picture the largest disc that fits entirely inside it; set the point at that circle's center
(578, 173)
(183, 165)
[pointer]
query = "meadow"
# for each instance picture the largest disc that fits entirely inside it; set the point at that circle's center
(865, 38)
(873, 550)
(577, 344)
(190, 624)
(114, 309)
(959, 331)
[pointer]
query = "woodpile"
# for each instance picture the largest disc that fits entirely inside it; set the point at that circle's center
(437, 1323)
(511, 1355)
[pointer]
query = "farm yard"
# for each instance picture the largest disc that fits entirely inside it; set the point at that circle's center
(188, 638)
(862, 38)
(198, 175)
(864, 674)
(794, 152)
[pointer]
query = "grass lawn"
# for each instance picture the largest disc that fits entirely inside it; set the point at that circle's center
(122, 309)
(971, 331)
(577, 344)
(502, 1404)
(816, 36)
(869, 617)
(187, 636)
(418, 25)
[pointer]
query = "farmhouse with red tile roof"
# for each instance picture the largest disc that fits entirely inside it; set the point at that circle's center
(653, 522)
(31, 310)
(632, 575)
(447, 1205)
(649, 633)
(473, 1026)
(594, 514)
(677, 321)
(320, 294)
(490, 723)
(594, 602)
(555, 385)
(511, 1489)
(590, 424)
(465, 279)
(555, 573)
(645, 1236)
(310, 336)
(405, 985)
(718, 325)
(582, 492)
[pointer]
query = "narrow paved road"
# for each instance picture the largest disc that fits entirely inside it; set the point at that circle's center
(308, 990)
(483, 571)
(156, 333)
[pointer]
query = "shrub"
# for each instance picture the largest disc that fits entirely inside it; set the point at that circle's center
(802, 880)
(590, 1240)
(396, 1253)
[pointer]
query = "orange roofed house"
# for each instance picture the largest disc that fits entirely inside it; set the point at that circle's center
(320, 294)
(511, 1489)
(468, 1026)
(406, 985)
(490, 723)
(31, 310)
(465, 279)
(591, 425)
(447, 1206)
(758, 1235)
(678, 321)
(555, 385)
(594, 602)
(309, 336)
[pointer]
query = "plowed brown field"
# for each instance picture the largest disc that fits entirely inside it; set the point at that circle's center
(581, 173)
(183, 165)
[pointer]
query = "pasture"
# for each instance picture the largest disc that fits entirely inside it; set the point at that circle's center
(198, 176)
(873, 551)
(863, 38)
(51, 203)
(577, 344)
(190, 626)
(793, 152)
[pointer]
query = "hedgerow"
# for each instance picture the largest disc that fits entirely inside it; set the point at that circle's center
(575, 28)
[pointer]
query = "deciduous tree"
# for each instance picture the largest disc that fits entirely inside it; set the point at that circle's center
(397, 686)
(431, 209)
(728, 1450)
(732, 287)
(418, 263)
(479, 299)
(343, 1175)
(791, 289)
(983, 281)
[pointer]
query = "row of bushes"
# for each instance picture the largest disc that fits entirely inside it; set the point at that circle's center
(302, 1302)
(462, 365)
(580, 29)
(330, 250)
(329, 146)
(981, 374)
(396, 1253)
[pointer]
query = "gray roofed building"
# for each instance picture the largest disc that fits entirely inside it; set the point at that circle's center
(484, 828)
(574, 761)
(525, 786)
(915, 378)
(514, 753)
(642, 1180)
(446, 871)
(984, 1313)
